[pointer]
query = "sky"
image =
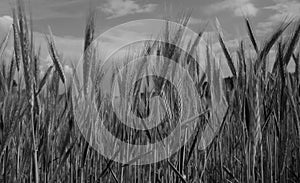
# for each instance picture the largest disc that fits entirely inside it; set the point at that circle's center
(67, 18)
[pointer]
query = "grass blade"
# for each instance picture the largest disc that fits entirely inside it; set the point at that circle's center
(176, 172)
(251, 35)
(44, 79)
(227, 55)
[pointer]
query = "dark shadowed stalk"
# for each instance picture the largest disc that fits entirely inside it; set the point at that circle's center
(177, 172)
(44, 79)
(11, 74)
(296, 58)
(251, 35)
(64, 159)
(282, 117)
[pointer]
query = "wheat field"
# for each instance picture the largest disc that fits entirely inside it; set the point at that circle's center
(258, 139)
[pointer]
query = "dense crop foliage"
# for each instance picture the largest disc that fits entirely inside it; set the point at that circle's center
(259, 138)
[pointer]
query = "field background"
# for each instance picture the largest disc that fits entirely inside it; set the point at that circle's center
(258, 140)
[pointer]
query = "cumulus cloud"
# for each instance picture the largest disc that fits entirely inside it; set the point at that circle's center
(6, 21)
(247, 9)
(285, 9)
(282, 10)
(119, 8)
(238, 7)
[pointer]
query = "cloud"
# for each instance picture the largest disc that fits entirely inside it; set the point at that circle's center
(49, 9)
(119, 8)
(195, 21)
(5, 24)
(247, 9)
(68, 69)
(238, 7)
(6, 21)
(6, 27)
(264, 27)
(283, 10)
